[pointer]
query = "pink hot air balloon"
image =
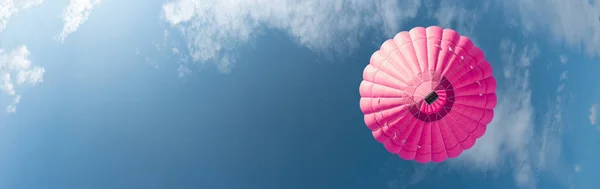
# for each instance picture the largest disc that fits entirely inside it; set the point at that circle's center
(428, 94)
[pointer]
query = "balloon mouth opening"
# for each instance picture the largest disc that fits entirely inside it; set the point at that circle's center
(431, 97)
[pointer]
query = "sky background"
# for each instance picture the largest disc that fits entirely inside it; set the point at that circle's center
(255, 94)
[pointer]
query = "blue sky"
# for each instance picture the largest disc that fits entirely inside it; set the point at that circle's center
(264, 94)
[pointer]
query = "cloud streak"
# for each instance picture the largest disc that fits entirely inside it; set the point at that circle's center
(593, 114)
(9, 7)
(74, 15)
(216, 28)
(17, 70)
(572, 22)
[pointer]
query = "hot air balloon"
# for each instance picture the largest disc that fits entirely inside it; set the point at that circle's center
(428, 94)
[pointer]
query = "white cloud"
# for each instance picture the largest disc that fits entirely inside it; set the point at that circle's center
(16, 70)
(574, 22)
(563, 76)
(522, 60)
(564, 59)
(593, 114)
(550, 158)
(182, 71)
(577, 168)
(411, 175)
(76, 14)
(12, 108)
(563, 84)
(216, 28)
(451, 11)
(9, 7)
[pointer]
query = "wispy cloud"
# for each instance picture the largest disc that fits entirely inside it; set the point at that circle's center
(574, 22)
(564, 59)
(411, 175)
(183, 70)
(593, 114)
(15, 70)
(15, 67)
(550, 158)
(74, 15)
(9, 7)
(451, 13)
(562, 85)
(216, 28)
(577, 168)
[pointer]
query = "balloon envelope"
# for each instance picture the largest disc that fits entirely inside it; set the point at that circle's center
(428, 94)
